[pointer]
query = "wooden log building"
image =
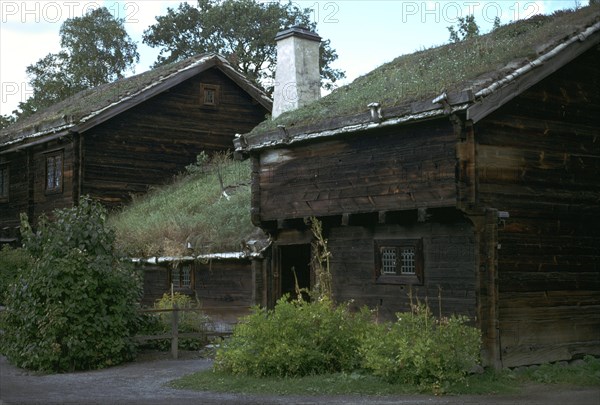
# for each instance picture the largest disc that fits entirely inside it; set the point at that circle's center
(119, 139)
(223, 283)
(122, 138)
(482, 187)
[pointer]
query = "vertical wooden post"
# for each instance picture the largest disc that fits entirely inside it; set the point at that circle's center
(486, 234)
(255, 191)
(175, 332)
(31, 185)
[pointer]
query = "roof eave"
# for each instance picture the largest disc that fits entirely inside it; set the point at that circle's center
(36, 139)
(477, 106)
(256, 93)
(202, 257)
(175, 78)
(502, 91)
(164, 83)
(440, 106)
(97, 117)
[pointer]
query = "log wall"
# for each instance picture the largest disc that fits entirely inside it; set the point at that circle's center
(137, 149)
(18, 200)
(150, 143)
(449, 259)
(43, 201)
(538, 158)
(377, 171)
(225, 289)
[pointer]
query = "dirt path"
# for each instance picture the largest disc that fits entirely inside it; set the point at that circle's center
(143, 382)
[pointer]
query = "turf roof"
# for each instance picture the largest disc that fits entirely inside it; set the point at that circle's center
(206, 211)
(471, 64)
(88, 103)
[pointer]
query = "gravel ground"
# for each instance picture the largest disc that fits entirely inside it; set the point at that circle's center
(144, 382)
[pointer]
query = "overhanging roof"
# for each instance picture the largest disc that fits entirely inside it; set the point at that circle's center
(549, 41)
(89, 108)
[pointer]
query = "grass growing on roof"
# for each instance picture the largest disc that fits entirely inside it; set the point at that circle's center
(77, 106)
(452, 67)
(208, 207)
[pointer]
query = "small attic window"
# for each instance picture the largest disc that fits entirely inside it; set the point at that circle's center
(210, 95)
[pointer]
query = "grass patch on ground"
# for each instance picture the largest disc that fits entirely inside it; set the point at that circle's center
(209, 208)
(328, 384)
(585, 374)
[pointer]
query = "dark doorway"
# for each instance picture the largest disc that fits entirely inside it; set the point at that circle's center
(295, 258)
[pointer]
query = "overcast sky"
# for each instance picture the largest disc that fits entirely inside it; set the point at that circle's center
(364, 33)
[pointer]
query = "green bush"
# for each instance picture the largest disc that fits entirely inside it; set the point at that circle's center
(12, 262)
(75, 307)
(158, 323)
(300, 338)
(422, 350)
(296, 338)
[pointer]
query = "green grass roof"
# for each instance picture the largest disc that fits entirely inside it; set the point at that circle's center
(423, 75)
(88, 103)
(195, 209)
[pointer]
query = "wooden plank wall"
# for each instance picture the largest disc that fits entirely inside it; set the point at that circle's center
(539, 159)
(405, 168)
(150, 143)
(449, 264)
(18, 192)
(225, 289)
(43, 202)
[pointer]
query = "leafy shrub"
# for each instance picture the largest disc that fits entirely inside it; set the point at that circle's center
(296, 338)
(299, 338)
(422, 350)
(12, 262)
(75, 306)
(188, 321)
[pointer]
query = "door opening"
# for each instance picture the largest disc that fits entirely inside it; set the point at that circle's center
(295, 259)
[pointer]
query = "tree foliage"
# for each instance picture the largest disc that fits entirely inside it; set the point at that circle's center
(466, 28)
(241, 30)
(75, 306)
(6, 120)
(96, 49)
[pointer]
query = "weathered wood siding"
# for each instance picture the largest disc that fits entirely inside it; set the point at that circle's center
(224, 288)
(155, 282)
(392, 169)
(148, 144)
(449, 265)
(18, 200)
(44, 202)
(539, 159)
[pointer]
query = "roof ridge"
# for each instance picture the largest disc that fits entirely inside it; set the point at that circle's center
(453, 68)
(86, 105)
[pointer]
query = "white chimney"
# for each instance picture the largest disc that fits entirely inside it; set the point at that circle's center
(297, 77)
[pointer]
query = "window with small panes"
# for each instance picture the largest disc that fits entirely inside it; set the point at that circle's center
(399, 261)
